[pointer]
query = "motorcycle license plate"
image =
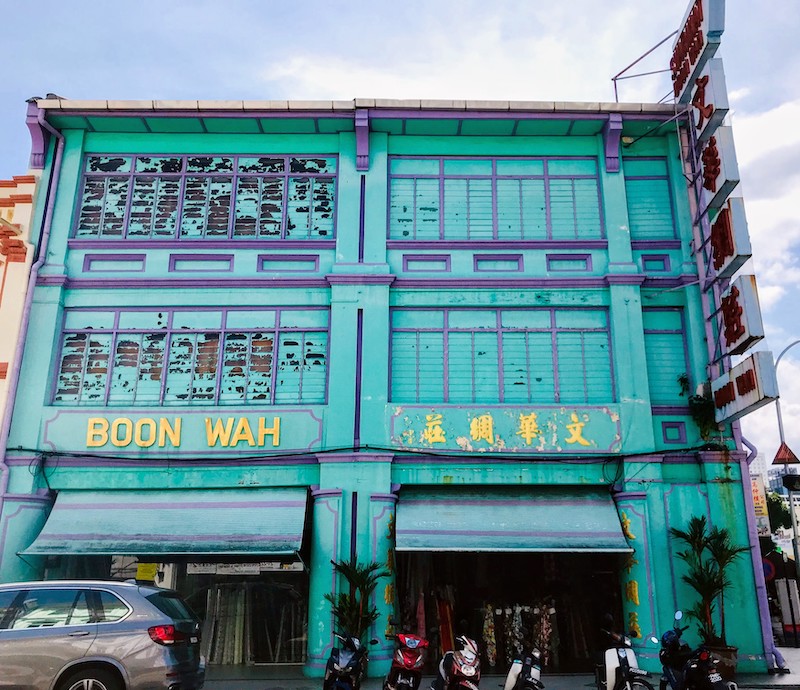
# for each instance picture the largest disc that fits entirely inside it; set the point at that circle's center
(714, 678)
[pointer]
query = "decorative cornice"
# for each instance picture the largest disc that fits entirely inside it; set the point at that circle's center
(625, 279)
(362, 279)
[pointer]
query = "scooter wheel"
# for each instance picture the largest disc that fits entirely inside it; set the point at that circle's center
(637, 684)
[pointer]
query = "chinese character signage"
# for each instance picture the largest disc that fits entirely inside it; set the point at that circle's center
(730, 239)
(697, 41)
(719, 168)
(760, 505)
(709, 104)
(741, 316)
(535, 429)
(745, 387)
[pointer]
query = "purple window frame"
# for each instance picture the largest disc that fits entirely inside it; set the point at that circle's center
(552, 261)
(477, 259)
(200, 259)
(671, 331)
(89, 259)
(312, 261)
(680, 427)
(169, 331)
(663, 258)
(666, 178)
(426, 258)
(553, 330)
(546, 177)
(234, 175)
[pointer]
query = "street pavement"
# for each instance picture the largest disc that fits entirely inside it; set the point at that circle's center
(291, 678)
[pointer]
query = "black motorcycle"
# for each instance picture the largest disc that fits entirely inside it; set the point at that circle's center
(347, 663)
(686, 668)
(526, 673)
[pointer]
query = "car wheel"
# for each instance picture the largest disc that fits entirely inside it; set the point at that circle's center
(91, 679)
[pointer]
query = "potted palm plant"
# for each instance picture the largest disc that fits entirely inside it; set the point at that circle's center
(709, 553)
(352, 609)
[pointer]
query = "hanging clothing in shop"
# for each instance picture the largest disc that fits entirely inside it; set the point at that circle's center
(489, 640)
(422, 629)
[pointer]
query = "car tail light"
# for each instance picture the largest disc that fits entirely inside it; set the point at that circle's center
(167, 634)
(704, 655)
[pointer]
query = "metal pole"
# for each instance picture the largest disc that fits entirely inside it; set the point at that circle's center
(795, 549)
(791, 605)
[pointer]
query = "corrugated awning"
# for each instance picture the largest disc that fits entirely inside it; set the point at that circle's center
(567, 519)
(174, 522)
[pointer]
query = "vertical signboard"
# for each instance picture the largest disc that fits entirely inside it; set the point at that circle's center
(709, 100)
(745, 387)
(697, 42)
(741, 316)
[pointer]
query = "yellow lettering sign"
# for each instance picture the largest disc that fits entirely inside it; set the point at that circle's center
(96, 432)
(218, 433)
(121, 432)
(481, 428)
(576, 431)
(274, 431)
(173, 432)
(243, 433)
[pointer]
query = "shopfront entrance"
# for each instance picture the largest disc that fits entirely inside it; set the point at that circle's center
(238, 556)
(511, 567)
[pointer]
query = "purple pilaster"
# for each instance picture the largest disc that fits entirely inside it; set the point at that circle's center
(612, 133)
(362, 140)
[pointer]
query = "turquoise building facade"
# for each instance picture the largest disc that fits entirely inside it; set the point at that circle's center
(453, 338)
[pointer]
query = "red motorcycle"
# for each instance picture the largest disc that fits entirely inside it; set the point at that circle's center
(409, 657)
(459, 669)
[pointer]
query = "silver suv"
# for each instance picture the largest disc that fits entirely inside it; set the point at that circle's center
(97, 635)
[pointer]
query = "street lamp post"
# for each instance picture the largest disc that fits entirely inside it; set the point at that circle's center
(786, 464)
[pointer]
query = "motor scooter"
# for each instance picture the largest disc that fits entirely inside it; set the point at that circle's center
(619, 670)
(686, 668)
(459, 669)
(346, 664)
(407, 662)
(525, 673)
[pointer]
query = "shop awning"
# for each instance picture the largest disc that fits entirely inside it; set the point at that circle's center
(566, 519)
(174, 522)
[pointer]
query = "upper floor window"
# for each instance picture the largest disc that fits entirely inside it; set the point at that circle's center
(512, 356)
(511, 199)
(193, 357)
(649, 199)
(207, 197)
(666, 348)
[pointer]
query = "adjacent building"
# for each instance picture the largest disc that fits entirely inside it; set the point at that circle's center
(456, 338)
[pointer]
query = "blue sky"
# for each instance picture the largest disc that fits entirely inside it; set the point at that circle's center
(507, 49)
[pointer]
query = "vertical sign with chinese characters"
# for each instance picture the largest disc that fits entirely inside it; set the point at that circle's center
(760, 505)
(741, 316)
(745, 387)
(697, 42)
(720, 169)
(730, 239)
(709, 105)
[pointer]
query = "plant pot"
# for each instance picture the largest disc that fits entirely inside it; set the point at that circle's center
(728, 657)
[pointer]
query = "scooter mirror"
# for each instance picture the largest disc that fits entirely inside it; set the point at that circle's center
(633, 633)
(678, 615)
(374, 641)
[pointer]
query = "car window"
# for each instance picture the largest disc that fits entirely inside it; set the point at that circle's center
(6, 607)
(109, 607)
(171, 604)
(48, 608)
